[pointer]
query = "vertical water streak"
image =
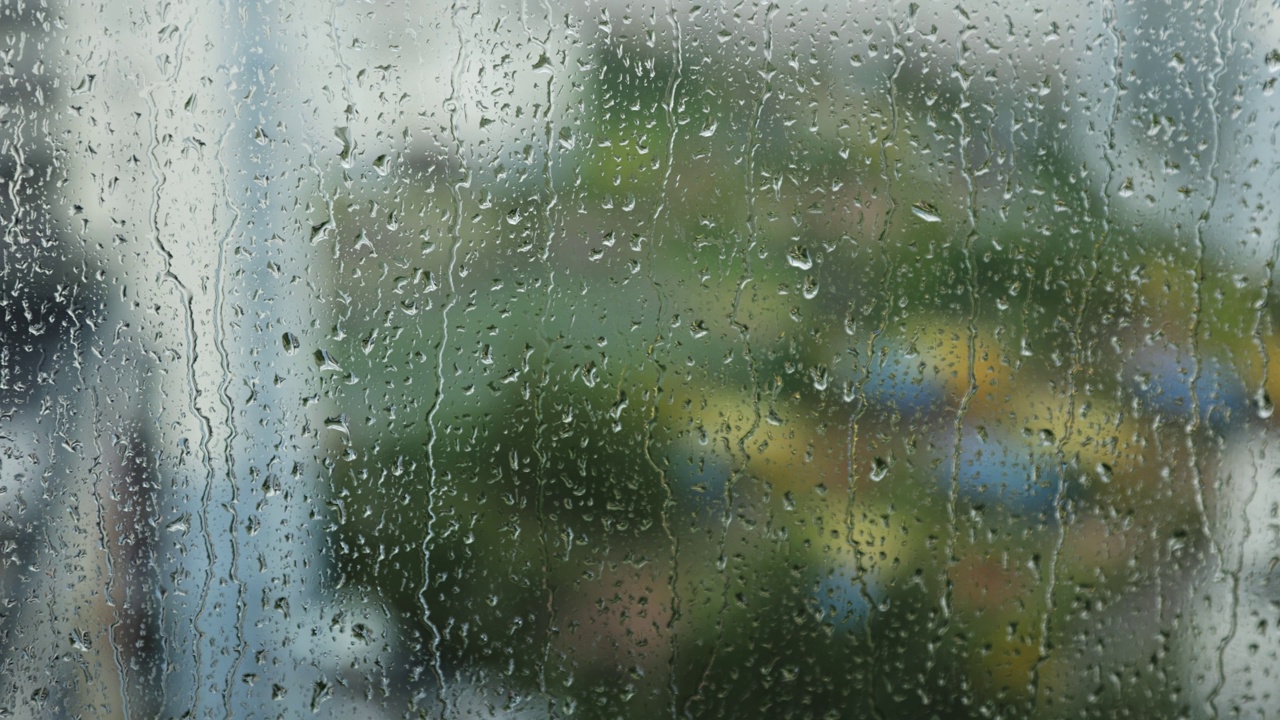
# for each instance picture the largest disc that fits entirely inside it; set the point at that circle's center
(1222, 35)
(1116, 36)
(453, 106)
(744, 334)
(544, 376)
(971, 381)
(673, 577)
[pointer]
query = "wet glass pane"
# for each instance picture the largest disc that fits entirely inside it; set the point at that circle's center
(401, 359)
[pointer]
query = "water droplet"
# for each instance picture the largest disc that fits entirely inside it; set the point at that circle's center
(1105, 473)
(1263, 406)
(879, 469)
(326, 361)
(799, 258)
(810, 289)
(339, 424)
(926, 212)
(343, 134)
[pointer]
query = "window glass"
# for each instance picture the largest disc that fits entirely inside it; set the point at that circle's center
(536, 359)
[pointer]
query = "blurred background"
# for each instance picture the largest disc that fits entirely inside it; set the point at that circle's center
(630, 360)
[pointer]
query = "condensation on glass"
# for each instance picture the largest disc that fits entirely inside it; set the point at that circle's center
(399, 359)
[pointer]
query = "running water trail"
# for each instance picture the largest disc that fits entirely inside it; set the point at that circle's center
(1222, 36)
(971, 386)
(544, 338)
(452, 105)
(1116, 36)
(744, 333)
(673, 578)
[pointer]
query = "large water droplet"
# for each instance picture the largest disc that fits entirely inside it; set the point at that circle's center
(1263, 406)
(926, 212)
(879, 469)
